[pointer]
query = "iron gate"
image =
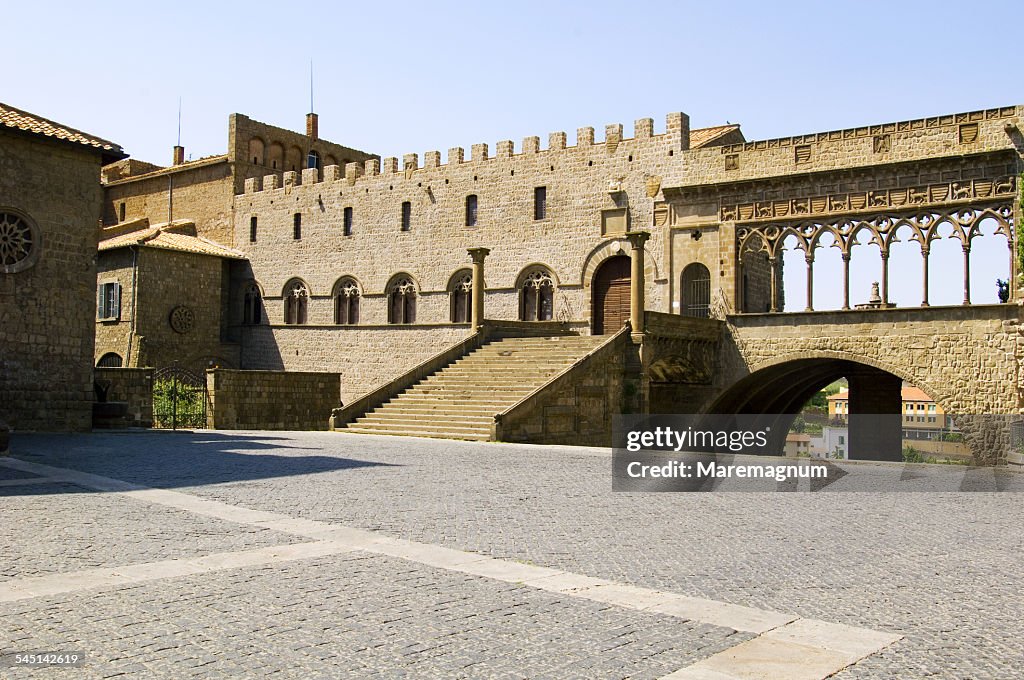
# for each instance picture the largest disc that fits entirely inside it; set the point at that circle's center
(179, 398)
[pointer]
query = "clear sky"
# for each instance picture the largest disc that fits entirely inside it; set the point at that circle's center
(397, 77)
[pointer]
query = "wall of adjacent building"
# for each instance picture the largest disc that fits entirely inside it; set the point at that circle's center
(270, 400)
(168, 280)
(202, 193)
(47, 312)
(117, 335)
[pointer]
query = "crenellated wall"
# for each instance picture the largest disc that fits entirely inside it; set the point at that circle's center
(594, 192)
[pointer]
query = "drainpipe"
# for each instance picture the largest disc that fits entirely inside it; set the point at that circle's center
(135, 305)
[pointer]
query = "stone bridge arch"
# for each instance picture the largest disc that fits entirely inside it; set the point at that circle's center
(917, 378)
(778, 389)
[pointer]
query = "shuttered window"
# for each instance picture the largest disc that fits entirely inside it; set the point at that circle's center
(109, 301)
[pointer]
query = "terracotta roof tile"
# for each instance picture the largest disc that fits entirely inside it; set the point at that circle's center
(702, 136)
(161, 238)
(28, 122)
(908, 393)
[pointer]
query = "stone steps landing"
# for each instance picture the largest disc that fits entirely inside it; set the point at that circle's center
(461, 400)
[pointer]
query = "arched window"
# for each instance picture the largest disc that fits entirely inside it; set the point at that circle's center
(537, 296)
(256, 151)
(110, 360)
(276, 156)
(293, 159)
(460, 291)
(296, 302)
(252, 305)
(346, 302)
(696, 291)
(313, 160)
(402, 300)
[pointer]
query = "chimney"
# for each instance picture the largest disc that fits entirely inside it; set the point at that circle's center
(179, 155)
(311, 125)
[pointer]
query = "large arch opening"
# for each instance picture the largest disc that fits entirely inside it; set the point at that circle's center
(876, 415)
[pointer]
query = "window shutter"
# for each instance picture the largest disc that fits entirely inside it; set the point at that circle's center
(116, 301)
(102, 302)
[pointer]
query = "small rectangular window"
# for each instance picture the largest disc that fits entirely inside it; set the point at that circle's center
(252, 229)
(297, 226)
(347, 226)
(471, 210)
(540, 203)
(121, 212)
(406, 216)
(109, 301)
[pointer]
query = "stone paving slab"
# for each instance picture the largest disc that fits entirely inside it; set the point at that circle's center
(353, 615)
(941, 569)
(58, 527)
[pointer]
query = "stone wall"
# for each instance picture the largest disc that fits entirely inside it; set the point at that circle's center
(169, 280)
(578, 406)
(966, 357)
(131, 385)
(871, 145)
(270, 400)
(202, 193)
(47, 311)
(118, 336)
(364, 356)
(246, 138)
(576, 233)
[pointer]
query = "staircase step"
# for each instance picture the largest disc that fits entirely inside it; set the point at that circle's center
(423, 428)
(461, 400)
(429, 435)
(383, 416)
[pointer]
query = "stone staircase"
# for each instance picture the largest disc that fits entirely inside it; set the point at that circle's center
(460, 400)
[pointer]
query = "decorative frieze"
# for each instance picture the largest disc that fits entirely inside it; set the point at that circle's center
(870, 201)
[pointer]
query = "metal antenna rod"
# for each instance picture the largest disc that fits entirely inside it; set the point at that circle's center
(311, 86)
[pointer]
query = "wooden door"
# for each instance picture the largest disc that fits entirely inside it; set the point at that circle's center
(611, 290)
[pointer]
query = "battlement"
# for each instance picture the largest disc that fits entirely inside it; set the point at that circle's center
(676, 135)
(875, 130)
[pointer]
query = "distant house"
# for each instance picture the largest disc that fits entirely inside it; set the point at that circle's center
(922, 417)
(833, 442)
(798, 444)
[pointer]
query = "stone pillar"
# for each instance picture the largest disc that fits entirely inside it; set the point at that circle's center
(885, 277)
(967, 272)
(477, 302)
(809, 259)
(924, 268)
(636, 282)
(773, 263)
(846, 280)
(876, 415)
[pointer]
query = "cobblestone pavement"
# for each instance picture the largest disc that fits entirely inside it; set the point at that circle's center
(942, 569)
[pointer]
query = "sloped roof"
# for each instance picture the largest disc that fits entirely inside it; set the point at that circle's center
(162, 170)
(170, 237)
(908, 393)
(702, 136)
(24, 121)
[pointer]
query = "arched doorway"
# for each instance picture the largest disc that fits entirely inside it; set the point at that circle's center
(610, 302)
(696, 291)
